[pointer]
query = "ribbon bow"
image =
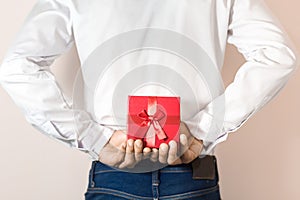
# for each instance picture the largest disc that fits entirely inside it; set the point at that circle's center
(154, 126)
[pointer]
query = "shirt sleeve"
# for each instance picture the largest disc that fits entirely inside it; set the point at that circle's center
(270, 61)
(25, 75)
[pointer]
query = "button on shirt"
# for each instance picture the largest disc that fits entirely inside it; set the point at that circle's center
(54, 26)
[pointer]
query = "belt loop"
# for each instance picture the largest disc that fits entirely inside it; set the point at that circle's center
(155, 184)
(92, 174)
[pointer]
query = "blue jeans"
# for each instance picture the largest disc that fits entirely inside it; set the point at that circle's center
(168, 183)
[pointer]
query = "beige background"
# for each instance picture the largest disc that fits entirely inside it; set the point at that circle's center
(260, 161)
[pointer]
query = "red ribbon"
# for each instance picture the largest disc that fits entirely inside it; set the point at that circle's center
(153, 122)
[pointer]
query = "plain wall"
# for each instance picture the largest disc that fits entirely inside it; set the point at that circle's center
(259, 161)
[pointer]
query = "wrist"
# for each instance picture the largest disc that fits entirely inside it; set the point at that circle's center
(118, 138)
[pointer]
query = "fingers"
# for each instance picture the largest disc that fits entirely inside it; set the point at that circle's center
(185, 131)
(146, 152)
(163, 153)
(166, 154)
(154, 155)
(194, 150)
(129, 159)
(188, 156)
(138, 150)
(111, 155)
(172, 156)
(196, 147)
(184, 145)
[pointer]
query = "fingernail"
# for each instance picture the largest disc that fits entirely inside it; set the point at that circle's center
(163, 147)
(139, 143)
(146, 150)
(130, 143)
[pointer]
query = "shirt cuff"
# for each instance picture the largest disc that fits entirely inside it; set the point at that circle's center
(99, 133)
(205, 127)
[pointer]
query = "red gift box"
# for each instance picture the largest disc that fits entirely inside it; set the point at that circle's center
(154, 119)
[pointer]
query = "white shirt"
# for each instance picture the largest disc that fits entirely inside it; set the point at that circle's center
(53, 26)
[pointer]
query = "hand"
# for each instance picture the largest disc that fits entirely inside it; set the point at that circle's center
(120, 152)
(190, 148)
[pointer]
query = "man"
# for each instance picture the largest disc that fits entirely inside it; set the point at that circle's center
(53, 26)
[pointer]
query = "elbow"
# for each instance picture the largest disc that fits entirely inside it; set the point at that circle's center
(283, 58)
(289, 61)
(295, 60)
(291, 58)
(21, 66)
